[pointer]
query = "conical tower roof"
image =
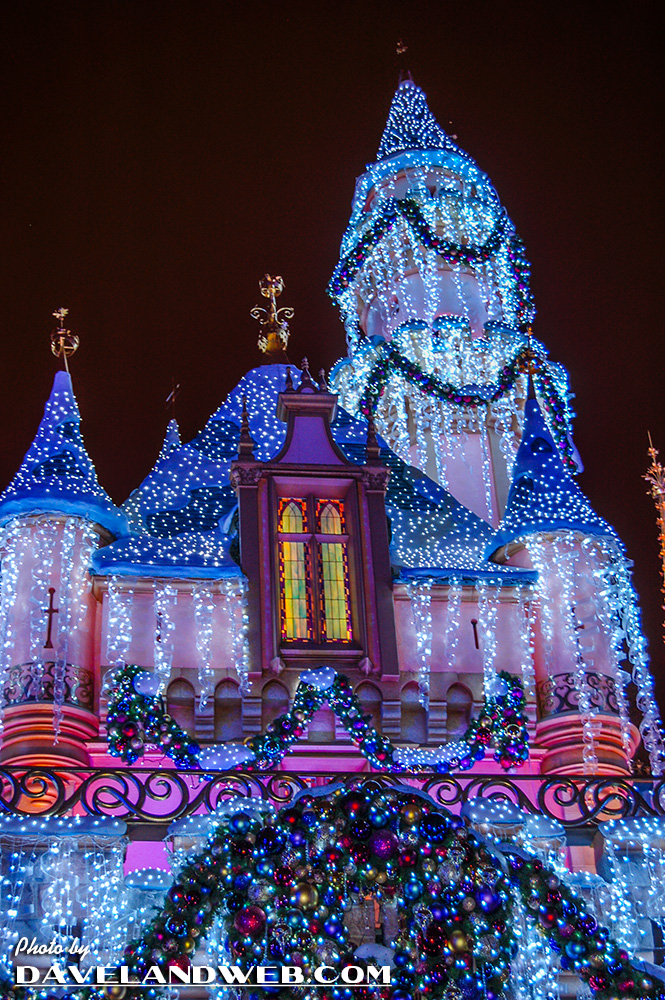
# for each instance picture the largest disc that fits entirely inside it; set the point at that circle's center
(57, 474)
(412, 126)
(543, 496)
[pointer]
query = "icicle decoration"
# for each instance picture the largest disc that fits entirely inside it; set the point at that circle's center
(165, 600)
(651, 728)
(236, 610)
(526, 639)
(204, 608)
(119, 623)
(453, 615)
(65, 619)
(488, 612)
(12, 544)
(43, 548)
(565, 547)
(608, 615)
(420, 595)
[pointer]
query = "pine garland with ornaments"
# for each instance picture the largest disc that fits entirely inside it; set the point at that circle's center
(137, 718)
(394, 363)
(462, 254)
(276, 891)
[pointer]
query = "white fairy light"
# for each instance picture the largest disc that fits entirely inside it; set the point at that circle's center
(204, 608)
(420, 594)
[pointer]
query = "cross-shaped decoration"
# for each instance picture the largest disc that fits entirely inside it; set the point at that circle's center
(50, 611)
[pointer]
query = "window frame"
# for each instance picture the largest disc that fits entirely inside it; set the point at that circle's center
(311, 494)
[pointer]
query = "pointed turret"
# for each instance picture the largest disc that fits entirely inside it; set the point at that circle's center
(543, 496)
(172, 440)
(57, 474)
(412, 126)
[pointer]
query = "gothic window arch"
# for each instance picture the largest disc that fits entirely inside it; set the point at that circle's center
(413, 720)
(180, 703)
(274, 702)
(372, 703)
(228, 711)
(459, 701)
(314, 588)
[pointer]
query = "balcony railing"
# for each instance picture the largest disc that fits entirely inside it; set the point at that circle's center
(156, 795)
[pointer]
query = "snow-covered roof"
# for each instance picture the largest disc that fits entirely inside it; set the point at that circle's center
(57, 474)
(411, 125)
(543, 496)
(182, 516)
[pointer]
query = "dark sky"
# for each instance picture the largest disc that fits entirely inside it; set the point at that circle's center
(159, 157)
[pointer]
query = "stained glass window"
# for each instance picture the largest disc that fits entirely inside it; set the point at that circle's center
(313, 571)
(296, 619)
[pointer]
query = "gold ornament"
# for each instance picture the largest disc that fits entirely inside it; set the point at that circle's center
(305, 896)
(411, 813)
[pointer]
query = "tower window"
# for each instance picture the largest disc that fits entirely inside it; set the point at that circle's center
(315, 603)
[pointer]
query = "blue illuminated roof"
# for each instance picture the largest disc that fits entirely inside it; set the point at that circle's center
(412, 126)
(57, 475)
(543, 496)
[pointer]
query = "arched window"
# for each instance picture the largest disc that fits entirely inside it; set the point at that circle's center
(371, 701)
(315, 603)
(274, 702)
(228, 711)
(459, 704)
(413, 715)
(180, 704)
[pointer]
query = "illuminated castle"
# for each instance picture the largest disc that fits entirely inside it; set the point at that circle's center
(413, 524)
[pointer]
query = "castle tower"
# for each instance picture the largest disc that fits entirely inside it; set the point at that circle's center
(433, 287)
(549, 524)
(54, 515)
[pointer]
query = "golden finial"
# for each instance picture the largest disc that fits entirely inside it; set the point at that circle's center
(655, 477)
(64, 343)
(274, 334)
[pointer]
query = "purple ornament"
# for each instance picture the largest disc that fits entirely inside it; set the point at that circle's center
(383, 844)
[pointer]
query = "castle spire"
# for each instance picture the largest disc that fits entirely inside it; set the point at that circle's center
(57, 474)
(412, 126)
(543, 496)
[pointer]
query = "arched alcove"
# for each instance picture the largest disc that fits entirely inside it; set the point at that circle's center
(459, 701)
(180, 704)
(274, 702)
(413, 722)
(372, 703)
(322, 727)
(228, 711)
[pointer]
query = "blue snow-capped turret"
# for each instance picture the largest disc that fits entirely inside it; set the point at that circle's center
(543, 496)
(411, 125)
(57, 475)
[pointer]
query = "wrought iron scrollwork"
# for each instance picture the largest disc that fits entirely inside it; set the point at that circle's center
(34, 682)
(159, 795)
(559, 694)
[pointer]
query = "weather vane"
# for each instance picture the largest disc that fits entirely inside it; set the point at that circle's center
(64, 343)
(655, 477)
(274, 334)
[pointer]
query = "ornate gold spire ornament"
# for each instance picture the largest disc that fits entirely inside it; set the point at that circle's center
(274, 334)
(655, 477)
(64, 343)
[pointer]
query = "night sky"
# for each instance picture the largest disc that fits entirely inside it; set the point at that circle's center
(159, 157)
